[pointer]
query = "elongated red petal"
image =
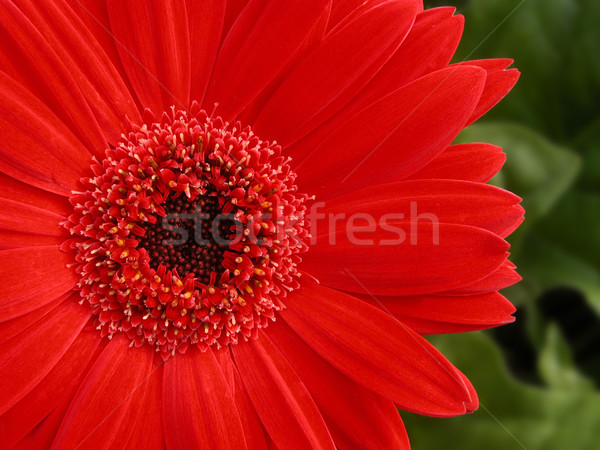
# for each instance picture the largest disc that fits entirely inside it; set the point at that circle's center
(261, 48)
(411, 257)
(25, 193)
(94, 14)
(471, 162)
(232, 12)
(20, 217)
(499, 82)
(272, 385)
(330, 76)
(253, 429)
(13, 327)
(99, 81)
(199, 409)
(503, 277)
(61, 382)
(438, 314)
(10, 240)
(376, 350)
(27, 358)
(32, 277)
(341, 9)
(153, 41)
(27, 57)
(55, 159)
(457, 202)
(356, 417)
(148, 430)
(432, 41)
(112, 392)
(205, 21)
(43, 435)
(395, 136)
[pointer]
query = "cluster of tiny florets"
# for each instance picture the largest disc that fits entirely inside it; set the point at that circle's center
(171, 294)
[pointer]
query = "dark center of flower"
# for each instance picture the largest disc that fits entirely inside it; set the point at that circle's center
(191, 238)
(188, 233)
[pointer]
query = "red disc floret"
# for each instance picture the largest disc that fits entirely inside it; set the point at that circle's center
(188, 233)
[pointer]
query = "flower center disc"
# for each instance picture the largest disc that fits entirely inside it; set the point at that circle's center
(188, 232)
(191, 238)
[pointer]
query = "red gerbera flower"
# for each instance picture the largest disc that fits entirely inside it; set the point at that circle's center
(226, 224)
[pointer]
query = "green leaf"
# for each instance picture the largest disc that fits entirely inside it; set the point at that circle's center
(556, 363)
(545, 264)
(536, 169)
(555, 45)
(588, 144)
(513, 415)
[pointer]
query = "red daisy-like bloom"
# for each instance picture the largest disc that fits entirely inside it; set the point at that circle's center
(227, 224)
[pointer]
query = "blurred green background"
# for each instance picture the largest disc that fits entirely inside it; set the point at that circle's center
(537, 379)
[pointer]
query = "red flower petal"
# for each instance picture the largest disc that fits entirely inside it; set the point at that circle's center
(330, 76)
(205, 21)
(27, 358)
(282, 402)
(112, 393)
(31, 278)
(376, 350)
(432, 41)
(395, 136)
(356, 417)
(253, 429)
(38, 67)
(94, 14)
(471, 162)
(430, 314)
(262, 47)
(20, 217)
(11, 328)
(154, 44)
(43, 435)
(55, 159)
(25, 193)
(61, 382)
(498, 83)
(505, 276)
(10, 240)
(415, 258)
(233, 11)
(148, 431)
(458, 202)
(343, 9)
(36, 212)
(198, 405)
(96, 76)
